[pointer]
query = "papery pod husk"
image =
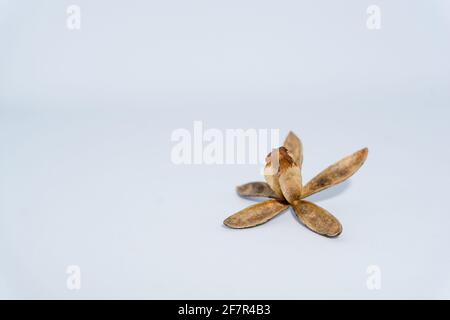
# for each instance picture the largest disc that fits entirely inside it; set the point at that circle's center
(256, 214)
(256, 189)
(336, 173)
(295, 147)
(333, 175)
(317, 219)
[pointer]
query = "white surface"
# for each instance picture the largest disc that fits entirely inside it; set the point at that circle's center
(86, 176)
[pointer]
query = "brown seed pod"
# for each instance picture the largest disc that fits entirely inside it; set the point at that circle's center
(256, 189)
(279, 160)
(294, 145)
(284, 183)
(272, 181)
(256, 214)
(336, 173)
(290, 177)
(317, 219)
(271, 170)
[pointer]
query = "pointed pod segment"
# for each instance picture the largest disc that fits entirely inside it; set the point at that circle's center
(289, 176)
(256, 214)
(280, 163)
(291, 183)
(317, 219)
(294, 145)
(257, 189)
(336, 173)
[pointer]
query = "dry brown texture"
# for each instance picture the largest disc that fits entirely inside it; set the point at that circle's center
(278, 161)
(284, 182)
(317, 219)
(272, 181)
(336, 173)
(256, 189)
(290, 180)
(271, 172)
(314, 217)
(256, 214)
(294, 145)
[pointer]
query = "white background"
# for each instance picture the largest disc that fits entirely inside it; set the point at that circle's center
(86, 118)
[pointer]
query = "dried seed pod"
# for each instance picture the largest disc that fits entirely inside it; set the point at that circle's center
(290, 178)
(336, 173)
(256, 214)
(294, 145)
(257, 189)
(271, 172)
(284, 183)
(272, 181)
(317, 219)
